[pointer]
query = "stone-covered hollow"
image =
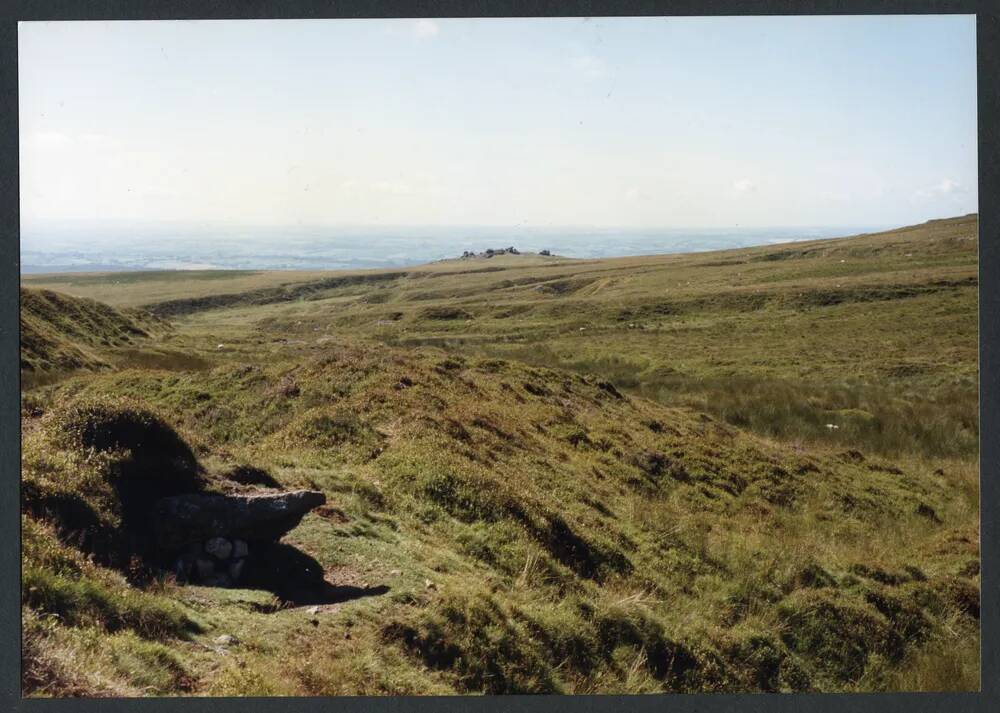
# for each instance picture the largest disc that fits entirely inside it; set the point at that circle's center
(211, 539)
(217, 562)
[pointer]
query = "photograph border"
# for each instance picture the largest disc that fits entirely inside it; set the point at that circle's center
(988, 42)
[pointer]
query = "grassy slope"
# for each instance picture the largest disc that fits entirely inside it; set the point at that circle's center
(59, 332)
(875, 334)
(537, 530)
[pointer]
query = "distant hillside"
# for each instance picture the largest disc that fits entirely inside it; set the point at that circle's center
(743, 470)
(63, 332)
(173, 293)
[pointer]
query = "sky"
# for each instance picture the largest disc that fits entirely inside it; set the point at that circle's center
(630, 122)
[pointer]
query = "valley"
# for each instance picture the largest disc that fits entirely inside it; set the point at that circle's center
(743, 470)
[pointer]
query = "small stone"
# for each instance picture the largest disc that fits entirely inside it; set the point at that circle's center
(240, 548)
(226, 640)
(312, 610)
(204, 567)
(396, 573)
(236, 569)
(219, 547)
(429, 584)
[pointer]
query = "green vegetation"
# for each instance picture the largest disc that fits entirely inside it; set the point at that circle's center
(542, 476)
(61, 333)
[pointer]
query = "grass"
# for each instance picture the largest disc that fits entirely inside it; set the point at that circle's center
(519, 506)
(58, 332)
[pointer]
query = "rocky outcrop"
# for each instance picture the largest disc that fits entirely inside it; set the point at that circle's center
(491, 252)
(183, 520)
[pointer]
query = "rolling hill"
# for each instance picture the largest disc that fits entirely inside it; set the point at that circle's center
(750, 470)
(59, 332)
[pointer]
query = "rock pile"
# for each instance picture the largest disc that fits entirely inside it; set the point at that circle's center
(210, 537)
(491, 252)
(217, 562)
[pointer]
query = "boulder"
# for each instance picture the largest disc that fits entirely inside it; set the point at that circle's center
(194, 518)
(219, 547)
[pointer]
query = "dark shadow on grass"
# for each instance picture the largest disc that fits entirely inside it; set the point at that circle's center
(250, 475)
(295, 578)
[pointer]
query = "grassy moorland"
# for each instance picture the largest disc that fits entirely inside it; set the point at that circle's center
(741, 470)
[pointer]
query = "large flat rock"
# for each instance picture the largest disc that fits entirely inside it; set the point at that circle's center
(185, 519)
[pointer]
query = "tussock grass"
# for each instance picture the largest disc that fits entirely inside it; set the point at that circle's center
(62, 332)
(940, 421)
(577, 539)
(652, 504)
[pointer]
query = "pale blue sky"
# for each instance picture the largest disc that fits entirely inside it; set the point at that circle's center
(641, 122)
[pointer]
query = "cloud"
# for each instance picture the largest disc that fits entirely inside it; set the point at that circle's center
(946, 187)
(425, 28)
(744, 185)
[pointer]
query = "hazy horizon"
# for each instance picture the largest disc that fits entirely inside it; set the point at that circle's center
(82, 248)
